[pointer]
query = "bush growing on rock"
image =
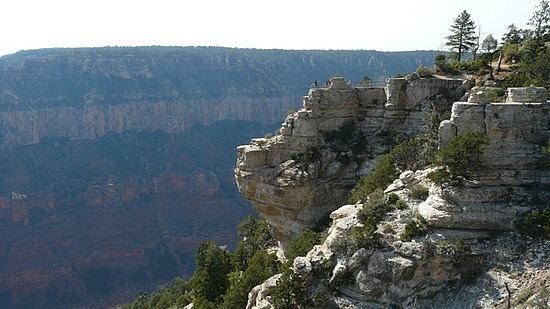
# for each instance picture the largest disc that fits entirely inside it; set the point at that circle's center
(412, 154)
(382, 175)
(301, 245)
(535, 223)
(415, 227)
(290, 292)
(460, 158)
(418, 192)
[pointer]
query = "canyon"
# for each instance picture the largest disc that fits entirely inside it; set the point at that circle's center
(117, 162)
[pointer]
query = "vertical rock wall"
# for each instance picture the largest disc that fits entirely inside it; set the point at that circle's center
(31, 126)
(518, 130)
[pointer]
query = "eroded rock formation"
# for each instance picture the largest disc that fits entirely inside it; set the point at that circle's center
(92, 122)
(463, 257)
(515, 171)
(308, 168)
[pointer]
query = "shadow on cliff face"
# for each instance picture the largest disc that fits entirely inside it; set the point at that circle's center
(98, 220)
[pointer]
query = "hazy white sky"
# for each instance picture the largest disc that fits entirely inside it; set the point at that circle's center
(389, 25)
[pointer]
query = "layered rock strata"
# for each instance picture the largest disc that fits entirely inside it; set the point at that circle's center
(92, 122)
(308, 168)
(515, 173)
(466, 254)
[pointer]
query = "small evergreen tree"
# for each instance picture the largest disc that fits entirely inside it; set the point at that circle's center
(210, 280)
(255, 233)
(290, 293)
(262, 266)
(462, 38)
(489, 44)
(513, 36)
(460, 158)
(540, 21)
(366, 81)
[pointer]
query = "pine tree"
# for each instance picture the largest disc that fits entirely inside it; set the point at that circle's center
(513, 36)
(462, 38)
(210, 281)
(489, 43)
(540, 21)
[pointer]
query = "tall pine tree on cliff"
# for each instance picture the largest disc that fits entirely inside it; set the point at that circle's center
(463, 37)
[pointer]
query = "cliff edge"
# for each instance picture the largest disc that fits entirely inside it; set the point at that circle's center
(455, 245)
(309, 166)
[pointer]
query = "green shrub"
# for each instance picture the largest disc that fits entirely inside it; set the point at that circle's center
(414, 153)
(418, 192)
(439, 176)
(410, 155)
(424, 72)
(262, 266)
(301, 245)
(364, 236)
(290, 291)
(392, 199)
(175, 293)
(210, 281)
(535, 223)
(375, 207)
(418, 226)
(256, 236)
(460, 158)
(382, 175)
(495, 94)
(401, 204)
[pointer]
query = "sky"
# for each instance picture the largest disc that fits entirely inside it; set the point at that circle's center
(389, 25)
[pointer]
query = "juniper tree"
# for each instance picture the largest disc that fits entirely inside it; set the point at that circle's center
(463, 37)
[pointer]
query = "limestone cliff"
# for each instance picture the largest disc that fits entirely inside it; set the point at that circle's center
(308, 168)
(515, 171)
(32, 126)
(468, 254)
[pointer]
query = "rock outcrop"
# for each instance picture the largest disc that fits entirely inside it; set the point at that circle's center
(465, 251)
(442, 268)
(308, 168)
(515, 171)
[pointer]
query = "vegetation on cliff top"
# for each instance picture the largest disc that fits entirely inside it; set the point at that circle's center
(521, 59)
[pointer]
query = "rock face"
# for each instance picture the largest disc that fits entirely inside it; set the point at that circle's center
(515, 172)
(30, 127)
(441, 268)
(468, 253)
(299, 175)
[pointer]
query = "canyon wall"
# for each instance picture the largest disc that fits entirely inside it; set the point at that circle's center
(92, 122)
(115, 163)
(514, 173)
